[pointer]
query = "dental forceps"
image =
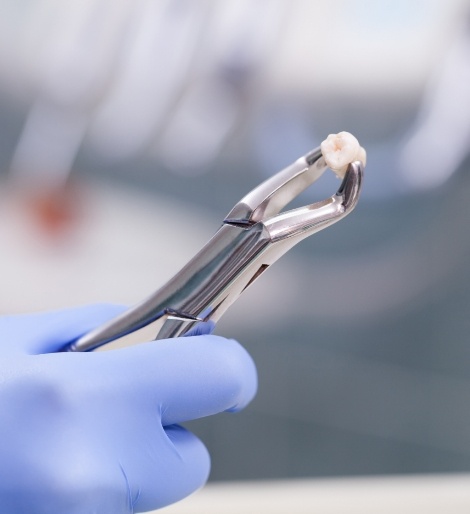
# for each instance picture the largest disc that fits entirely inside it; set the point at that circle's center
(253, 236)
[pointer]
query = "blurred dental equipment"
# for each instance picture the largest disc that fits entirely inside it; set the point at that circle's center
(72, 71)
(100, 73)
(439, 141)
(253, 236)
(148, 78)
(215, 101)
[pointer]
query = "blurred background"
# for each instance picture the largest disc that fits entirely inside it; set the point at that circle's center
(129, 129)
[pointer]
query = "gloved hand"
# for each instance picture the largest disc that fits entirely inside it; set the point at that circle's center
(97, 432)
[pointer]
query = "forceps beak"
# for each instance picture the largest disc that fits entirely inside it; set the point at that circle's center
(264, 203)
(273, 194)
(305, 221)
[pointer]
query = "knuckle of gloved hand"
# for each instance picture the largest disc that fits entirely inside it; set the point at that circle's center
(34, 394)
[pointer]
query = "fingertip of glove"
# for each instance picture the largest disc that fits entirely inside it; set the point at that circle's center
(239, 371)
(248, 372)
(215, 371)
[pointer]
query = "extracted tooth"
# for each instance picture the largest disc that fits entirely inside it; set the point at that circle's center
(341, 149)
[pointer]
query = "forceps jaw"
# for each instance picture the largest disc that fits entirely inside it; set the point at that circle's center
(267, 199)
(305, 221)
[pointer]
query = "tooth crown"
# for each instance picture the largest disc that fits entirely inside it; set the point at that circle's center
(341, 149)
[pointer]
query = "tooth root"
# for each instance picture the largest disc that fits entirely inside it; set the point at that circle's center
(341, 149)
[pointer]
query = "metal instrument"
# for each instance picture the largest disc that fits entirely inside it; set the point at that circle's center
(253, 236)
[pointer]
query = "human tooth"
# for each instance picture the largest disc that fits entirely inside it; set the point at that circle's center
(341, 149)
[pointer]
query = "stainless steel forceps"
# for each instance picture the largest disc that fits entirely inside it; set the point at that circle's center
(253, 236)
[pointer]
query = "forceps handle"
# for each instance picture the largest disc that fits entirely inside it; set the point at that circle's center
(202, 290)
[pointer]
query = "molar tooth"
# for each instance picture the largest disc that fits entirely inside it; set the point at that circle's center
(341, 149)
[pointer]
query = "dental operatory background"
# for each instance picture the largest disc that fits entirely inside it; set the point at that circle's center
(128, 129)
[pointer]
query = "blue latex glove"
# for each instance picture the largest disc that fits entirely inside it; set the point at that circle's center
(96, 432)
